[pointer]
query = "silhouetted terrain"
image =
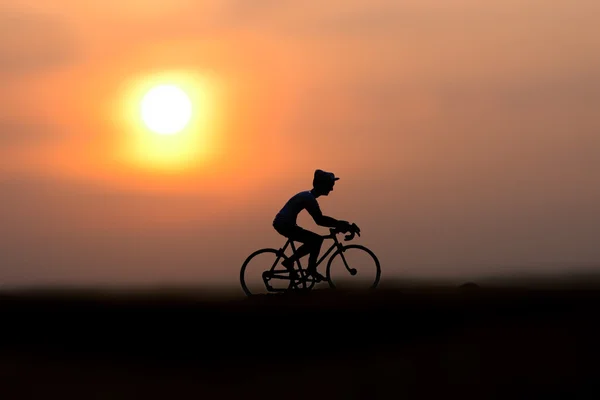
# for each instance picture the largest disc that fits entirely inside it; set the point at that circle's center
(471, 342)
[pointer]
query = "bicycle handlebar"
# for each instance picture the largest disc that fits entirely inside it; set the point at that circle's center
(355, 230)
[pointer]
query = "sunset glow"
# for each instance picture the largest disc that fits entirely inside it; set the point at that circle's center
(154, 141)
(169, 120)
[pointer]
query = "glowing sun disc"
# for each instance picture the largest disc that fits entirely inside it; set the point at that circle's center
(166, 109)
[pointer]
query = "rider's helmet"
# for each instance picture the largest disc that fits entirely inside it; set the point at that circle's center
(323, 179)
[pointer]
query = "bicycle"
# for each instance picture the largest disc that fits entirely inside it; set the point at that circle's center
(300, 281)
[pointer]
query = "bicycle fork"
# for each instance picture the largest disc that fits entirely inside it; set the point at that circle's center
(352, 271)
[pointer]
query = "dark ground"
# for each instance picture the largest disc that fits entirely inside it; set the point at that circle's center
(417, 343)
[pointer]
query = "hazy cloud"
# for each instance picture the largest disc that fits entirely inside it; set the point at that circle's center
(32, 42)
(16, 133)
(465, 132)
(55, 229)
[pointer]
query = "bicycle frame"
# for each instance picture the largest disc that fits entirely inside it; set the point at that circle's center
(284, 273)
(335, 245)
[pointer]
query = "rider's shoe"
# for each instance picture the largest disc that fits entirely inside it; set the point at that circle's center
(316, 276)
(289, 265)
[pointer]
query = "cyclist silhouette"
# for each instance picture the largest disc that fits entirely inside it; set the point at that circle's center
(285, 222)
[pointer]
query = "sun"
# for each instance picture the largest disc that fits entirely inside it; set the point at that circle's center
(170, 121)
(166, 109)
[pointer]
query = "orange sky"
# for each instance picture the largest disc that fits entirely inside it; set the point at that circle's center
(465, 133)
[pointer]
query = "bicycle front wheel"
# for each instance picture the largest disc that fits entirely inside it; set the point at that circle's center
(353, 267)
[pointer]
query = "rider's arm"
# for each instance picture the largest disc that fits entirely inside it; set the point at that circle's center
(327, 222)
(322, 220)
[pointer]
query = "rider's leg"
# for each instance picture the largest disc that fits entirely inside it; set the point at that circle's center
(311, 244)
(300, 252)
(315, 249)
(296, 234)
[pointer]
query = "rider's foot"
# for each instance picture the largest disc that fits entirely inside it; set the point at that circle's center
(316, 276)
(289, 265)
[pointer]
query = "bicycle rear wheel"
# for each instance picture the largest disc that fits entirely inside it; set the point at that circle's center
(353, 267)
(263, 273)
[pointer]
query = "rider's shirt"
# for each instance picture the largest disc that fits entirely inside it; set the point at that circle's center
(291, 209)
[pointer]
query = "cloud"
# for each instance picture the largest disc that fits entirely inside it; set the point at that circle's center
(237, 10)
(32, 42)
(72, 231)
(17, 133)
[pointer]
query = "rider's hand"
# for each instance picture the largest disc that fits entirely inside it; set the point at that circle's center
(344, 226)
